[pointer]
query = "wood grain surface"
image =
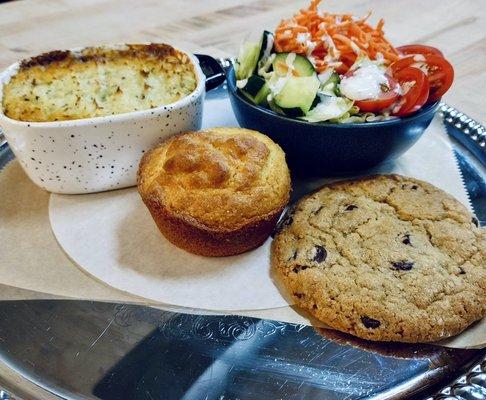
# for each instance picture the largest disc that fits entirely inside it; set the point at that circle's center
(217, 27)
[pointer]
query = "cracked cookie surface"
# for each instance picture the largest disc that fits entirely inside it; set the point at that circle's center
(385, 258)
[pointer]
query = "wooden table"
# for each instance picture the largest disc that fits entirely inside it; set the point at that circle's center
(457, 27)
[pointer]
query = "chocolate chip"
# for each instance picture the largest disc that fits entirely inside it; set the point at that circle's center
(315, 212)
(406, 239)
(370, 322)
(402, 265)
(320, 254)
(299, 295)
(293, 256)
(286, 220)
(413, 187)
(475, 221)
(299, 268)
(350, 207)
(461, 271)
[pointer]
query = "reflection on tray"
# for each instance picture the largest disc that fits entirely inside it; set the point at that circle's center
(211, 357)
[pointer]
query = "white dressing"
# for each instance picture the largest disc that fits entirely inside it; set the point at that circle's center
(240, 84)
(310, 46)
(265, 66)
(289, 61)
(365, 83)
(324, 76)
(302, 37)
(276, 84)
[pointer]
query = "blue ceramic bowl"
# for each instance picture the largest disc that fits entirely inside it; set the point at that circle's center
(331, 149)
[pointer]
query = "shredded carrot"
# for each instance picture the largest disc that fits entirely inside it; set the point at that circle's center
(333, 40)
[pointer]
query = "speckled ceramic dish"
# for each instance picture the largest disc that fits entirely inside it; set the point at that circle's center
(101, 153)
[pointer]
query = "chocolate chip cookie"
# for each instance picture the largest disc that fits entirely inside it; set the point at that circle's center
(385, 258)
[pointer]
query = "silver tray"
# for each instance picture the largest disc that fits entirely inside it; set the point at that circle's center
(67, 349)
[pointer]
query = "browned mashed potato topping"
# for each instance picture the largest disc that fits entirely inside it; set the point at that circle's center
(97, 81)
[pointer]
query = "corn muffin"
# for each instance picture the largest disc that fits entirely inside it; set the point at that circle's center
(97, 81)
(217, 192)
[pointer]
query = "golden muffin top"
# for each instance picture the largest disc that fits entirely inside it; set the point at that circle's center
(221, 178)
(97, 81)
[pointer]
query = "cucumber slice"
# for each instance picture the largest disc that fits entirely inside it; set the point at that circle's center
(261, 97)
(293, 112)
(300, 65)
(315, 102)
(331, 85)
(254, 84)
(266, 47)
(252, 55)
(275, 108)
(297, 93)
(247, 60)
(256, 90)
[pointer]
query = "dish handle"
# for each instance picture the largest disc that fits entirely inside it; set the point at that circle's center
(215, 75)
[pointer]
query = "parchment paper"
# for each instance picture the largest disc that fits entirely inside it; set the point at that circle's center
(31, 259)
(112, 237)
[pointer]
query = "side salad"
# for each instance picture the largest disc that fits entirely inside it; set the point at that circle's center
(320, 67)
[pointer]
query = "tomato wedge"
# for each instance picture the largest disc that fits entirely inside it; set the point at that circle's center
(386, 98)
(441, 75)
(439, 71)
(405, 62)
(415, 87)
(419, 49)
